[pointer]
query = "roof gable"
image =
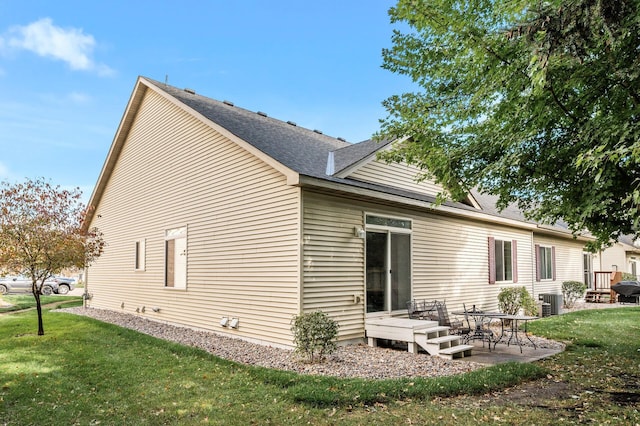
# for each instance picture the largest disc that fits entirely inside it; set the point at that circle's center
(351, 157)
(301, 150)
(305, 157)
(360, 162)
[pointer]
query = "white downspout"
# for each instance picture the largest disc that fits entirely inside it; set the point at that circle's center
(533, 267)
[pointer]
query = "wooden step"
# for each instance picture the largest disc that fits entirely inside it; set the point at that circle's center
(437, 328)
(454, 352)
(444, 339)
(433, 332)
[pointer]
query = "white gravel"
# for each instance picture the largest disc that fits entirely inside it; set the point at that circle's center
(348, 361)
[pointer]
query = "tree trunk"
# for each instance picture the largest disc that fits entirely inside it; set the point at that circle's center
(36, 294)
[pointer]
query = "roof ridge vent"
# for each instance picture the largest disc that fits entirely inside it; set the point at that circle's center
(318, 131)
(292, 123)
(342, 139)
(227, 103)
(186, 89)
(264, 114)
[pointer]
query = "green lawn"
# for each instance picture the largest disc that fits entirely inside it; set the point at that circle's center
(86, 372)
(26, 301)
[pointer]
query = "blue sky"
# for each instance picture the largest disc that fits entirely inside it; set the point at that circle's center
(67, 69)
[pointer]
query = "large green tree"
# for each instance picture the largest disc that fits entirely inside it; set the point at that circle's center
(41, 233)
(535, 102)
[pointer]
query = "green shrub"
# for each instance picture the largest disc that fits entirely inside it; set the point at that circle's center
(512, 299)
(572, 291)
(314, 334)
(627, 276)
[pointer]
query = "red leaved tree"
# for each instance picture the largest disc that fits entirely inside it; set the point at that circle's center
(41, 233)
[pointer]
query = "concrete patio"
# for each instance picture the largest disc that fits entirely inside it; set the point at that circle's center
(503, 353)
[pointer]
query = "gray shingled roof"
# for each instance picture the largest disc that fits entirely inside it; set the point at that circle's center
(630, 241)
(302, 150)
(306, 151)
(345, 157)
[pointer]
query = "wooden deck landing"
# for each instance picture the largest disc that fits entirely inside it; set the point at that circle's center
(433, 338)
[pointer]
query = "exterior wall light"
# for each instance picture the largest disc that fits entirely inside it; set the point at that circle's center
(359, 232)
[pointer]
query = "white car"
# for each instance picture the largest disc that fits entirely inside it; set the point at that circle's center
(20, 284)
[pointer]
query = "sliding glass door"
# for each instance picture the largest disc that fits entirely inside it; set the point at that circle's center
(388, 265)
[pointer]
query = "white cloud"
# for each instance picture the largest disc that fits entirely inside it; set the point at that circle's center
(79, 98)
(70, 45)
(4, 172)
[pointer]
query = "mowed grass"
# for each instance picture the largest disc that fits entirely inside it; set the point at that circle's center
(25, 301)
(83, 371)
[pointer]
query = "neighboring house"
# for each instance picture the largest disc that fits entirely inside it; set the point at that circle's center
(623, 256)
(210, 211)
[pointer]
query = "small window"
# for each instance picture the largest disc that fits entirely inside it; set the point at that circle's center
(140, 255)
(388, 222)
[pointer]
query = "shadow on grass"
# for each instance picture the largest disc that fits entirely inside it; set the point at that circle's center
(322, 391)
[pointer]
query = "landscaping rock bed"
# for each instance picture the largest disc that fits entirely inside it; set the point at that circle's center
(348, 361)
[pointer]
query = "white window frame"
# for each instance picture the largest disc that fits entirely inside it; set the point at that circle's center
(175, 234)
(501, 274)
(390, 227)
(546, 260)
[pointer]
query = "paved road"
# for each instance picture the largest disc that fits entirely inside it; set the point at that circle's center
(76, 292)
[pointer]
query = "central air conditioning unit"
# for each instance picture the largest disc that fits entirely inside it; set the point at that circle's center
(555, 300)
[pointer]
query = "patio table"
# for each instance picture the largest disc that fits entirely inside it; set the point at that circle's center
(514, 328)
(481, 330)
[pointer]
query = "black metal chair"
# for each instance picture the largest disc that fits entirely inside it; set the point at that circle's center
(421, 309)
(480, 330)
(413, 309)
(456, 326)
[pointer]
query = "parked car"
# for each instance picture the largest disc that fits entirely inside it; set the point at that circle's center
(61, 285)
(21, 284)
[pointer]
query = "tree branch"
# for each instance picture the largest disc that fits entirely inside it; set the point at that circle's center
(560, 104)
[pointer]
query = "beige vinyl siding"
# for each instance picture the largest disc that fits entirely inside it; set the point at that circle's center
(334, 263)
(242, 229)
(396, 175)
(569, 263)
(612, 259)
(451, 261)
(450, 258)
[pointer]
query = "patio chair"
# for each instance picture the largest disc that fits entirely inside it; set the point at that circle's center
(421, 309)
(480, 330)
(456, 325)
(413, 309)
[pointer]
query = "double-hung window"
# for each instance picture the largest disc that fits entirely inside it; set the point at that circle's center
(503, 260)
(545, 262)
